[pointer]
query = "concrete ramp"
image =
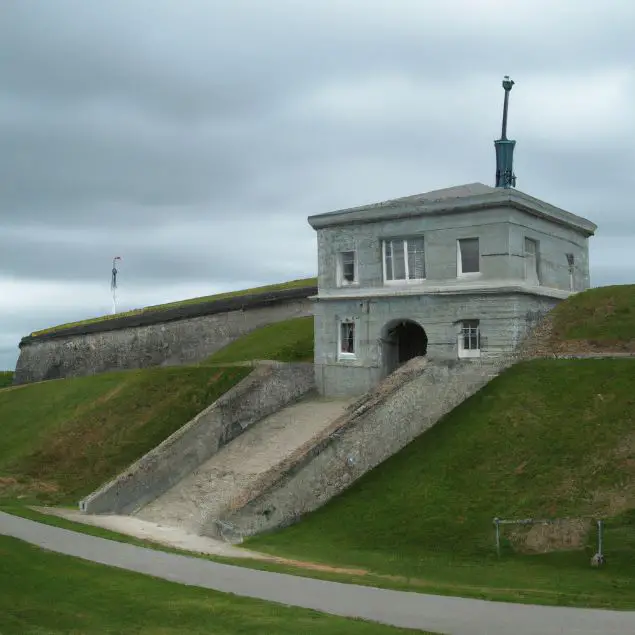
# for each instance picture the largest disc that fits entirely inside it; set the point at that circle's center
(373, 428)
(228, 479)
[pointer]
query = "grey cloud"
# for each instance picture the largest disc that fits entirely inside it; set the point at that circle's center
(214, 121)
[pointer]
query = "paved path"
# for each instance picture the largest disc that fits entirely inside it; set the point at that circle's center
(454, 616)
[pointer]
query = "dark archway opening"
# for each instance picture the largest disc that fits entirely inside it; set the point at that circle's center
(403, 340)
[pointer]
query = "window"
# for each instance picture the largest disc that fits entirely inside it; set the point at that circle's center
(468, 256)
(531, 261)
(404, 259)
(347, 339)
(470, 339)
(571, 264)
(347, 268)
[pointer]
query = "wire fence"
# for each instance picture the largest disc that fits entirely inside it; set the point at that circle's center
(598, 558)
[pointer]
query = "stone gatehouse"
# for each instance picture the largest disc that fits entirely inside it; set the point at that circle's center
(455, 273)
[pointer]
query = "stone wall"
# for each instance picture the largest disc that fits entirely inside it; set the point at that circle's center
(504, 318)
(268, 388)
(501, 232)
(160, 338)
(402, 407)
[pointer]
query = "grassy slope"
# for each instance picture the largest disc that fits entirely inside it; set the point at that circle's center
(47, 592)
(62, 439)
(603, 318)
(292, 284)
(286, 341)
(6, 378)
(546, 439)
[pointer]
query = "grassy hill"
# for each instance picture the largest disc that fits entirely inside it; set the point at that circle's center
(598, 320)
(6, 378)
(286, 341)
(62, 439)
(291, 284)
(547, 439)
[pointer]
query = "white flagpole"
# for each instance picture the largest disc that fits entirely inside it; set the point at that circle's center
(113, 284)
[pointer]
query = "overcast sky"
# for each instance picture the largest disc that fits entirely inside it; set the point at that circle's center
(194, 138)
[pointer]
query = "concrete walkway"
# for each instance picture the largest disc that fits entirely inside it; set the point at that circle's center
(165, 535)
(453, 616)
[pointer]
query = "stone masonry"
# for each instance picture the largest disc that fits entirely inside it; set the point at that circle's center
(399, 409)
(268, 388)
(171, 343)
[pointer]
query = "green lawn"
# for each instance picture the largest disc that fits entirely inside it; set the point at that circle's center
(292, 284)
(548, 438)
(6, 378)
(604, 316)
(62, 439)
(44, 592)
(287, 341)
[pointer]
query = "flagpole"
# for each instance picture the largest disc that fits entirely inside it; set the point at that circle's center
(113, 284)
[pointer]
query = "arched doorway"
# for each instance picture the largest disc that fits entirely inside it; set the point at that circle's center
(401, 341)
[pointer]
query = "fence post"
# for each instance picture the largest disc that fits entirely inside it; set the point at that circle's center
(600, 539)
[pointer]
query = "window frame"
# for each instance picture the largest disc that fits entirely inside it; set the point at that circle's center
(341, 355)
(535, 275)
(406, 279)
(469, 353)
(459, 259)
(341, 282)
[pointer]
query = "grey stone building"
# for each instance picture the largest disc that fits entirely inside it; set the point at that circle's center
(458, 273)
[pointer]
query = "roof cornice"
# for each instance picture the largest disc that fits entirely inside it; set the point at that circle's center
(409, 208)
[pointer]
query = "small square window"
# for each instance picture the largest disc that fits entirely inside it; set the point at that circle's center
(347, 268)
(347, 338)
(470, 339)
(531, 261)
(468, 256)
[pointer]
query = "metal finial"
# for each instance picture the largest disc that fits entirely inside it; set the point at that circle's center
(507, 85)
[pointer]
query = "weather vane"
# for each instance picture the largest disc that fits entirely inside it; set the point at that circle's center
(113, 283)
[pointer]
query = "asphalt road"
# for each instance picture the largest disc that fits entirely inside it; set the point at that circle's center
(452, 616)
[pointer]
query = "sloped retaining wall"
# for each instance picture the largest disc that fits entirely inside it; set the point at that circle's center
(181, 335)
(405, 405)
(268, 388)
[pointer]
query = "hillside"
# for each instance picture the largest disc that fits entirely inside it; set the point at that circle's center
(62, 439)
(285, 341)
(600, 320)
(6, 378)
(547, 439)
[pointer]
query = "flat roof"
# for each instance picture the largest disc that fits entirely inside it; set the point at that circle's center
(450, 200)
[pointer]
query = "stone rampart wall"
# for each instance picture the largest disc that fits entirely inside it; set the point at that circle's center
(182, 335)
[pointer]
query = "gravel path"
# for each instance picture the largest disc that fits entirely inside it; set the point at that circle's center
(453, 616)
